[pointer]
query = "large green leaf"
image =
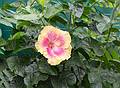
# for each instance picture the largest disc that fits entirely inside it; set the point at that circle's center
(99, 77)
(5, 22)
(17, 65)
(59, 83)
(104, 24)
(27, 17)
(17, 82)
(52, 10)
(44, 67)
(104, 10)
(107, 54)
(18, 35)
(33, 76)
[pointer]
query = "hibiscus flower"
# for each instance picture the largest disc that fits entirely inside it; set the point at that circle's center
(54, 44)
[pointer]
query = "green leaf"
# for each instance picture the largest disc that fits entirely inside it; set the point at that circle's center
(85, 81)
(107, 54)
(17, 65)
(0, 33)
(115, 54)
(46, 68)
(17, 35)
(25, 52)
(6, 31)
(75, 60)
(104, 10)
(41, 2)
(104, 24)
(3, 65)
(59, 83)
(27, 17)
(103, 78)
(1, 85)
(4, 80)
(52, 10)
(17, 82)
(5, 22)
(116, 42)
(44, 84)
(66, 78)
(70, 78)
(116, 85)
(8, 74)
(1, 51)
(2, 42)
(33, 76)
(98, 51)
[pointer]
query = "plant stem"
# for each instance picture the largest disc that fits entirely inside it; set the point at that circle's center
(69, 25)
(111, 19)
(32, 3)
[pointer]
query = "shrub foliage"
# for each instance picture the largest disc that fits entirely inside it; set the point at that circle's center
(94, 26)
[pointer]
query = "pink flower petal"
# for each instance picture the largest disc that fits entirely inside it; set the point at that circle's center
(59, 41)
(45, 42)
(58, 51)
(52, 36)
(50, 52)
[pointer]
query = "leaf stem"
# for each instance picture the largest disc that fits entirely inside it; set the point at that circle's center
(111, 19)
(32, 3)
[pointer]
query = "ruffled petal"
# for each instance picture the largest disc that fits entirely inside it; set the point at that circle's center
(54, 61)
(58, 51)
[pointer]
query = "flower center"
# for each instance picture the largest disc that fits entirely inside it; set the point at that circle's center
(51, 45)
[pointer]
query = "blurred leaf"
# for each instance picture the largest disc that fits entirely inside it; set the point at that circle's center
(17, 82)
(1, 51)
(46, 68)
(94, 61)
(104, 24)
(65, 80)
(33, 76)
(0, 33)
(5, 22)
(85, 82)
(115, 54)
(75, 60)
(27, 17)
(2, 42)
(98, 51)
(53, 10)
(6, 31)
(3, 64)
(18, 35)
(17, 65)
(25, 52)
(42, 2)
(107, 54)
(59, 83)
(104, 10)
(116, 42)
(79, 12)
(4, 80)
(70, 78)
(98, 78)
